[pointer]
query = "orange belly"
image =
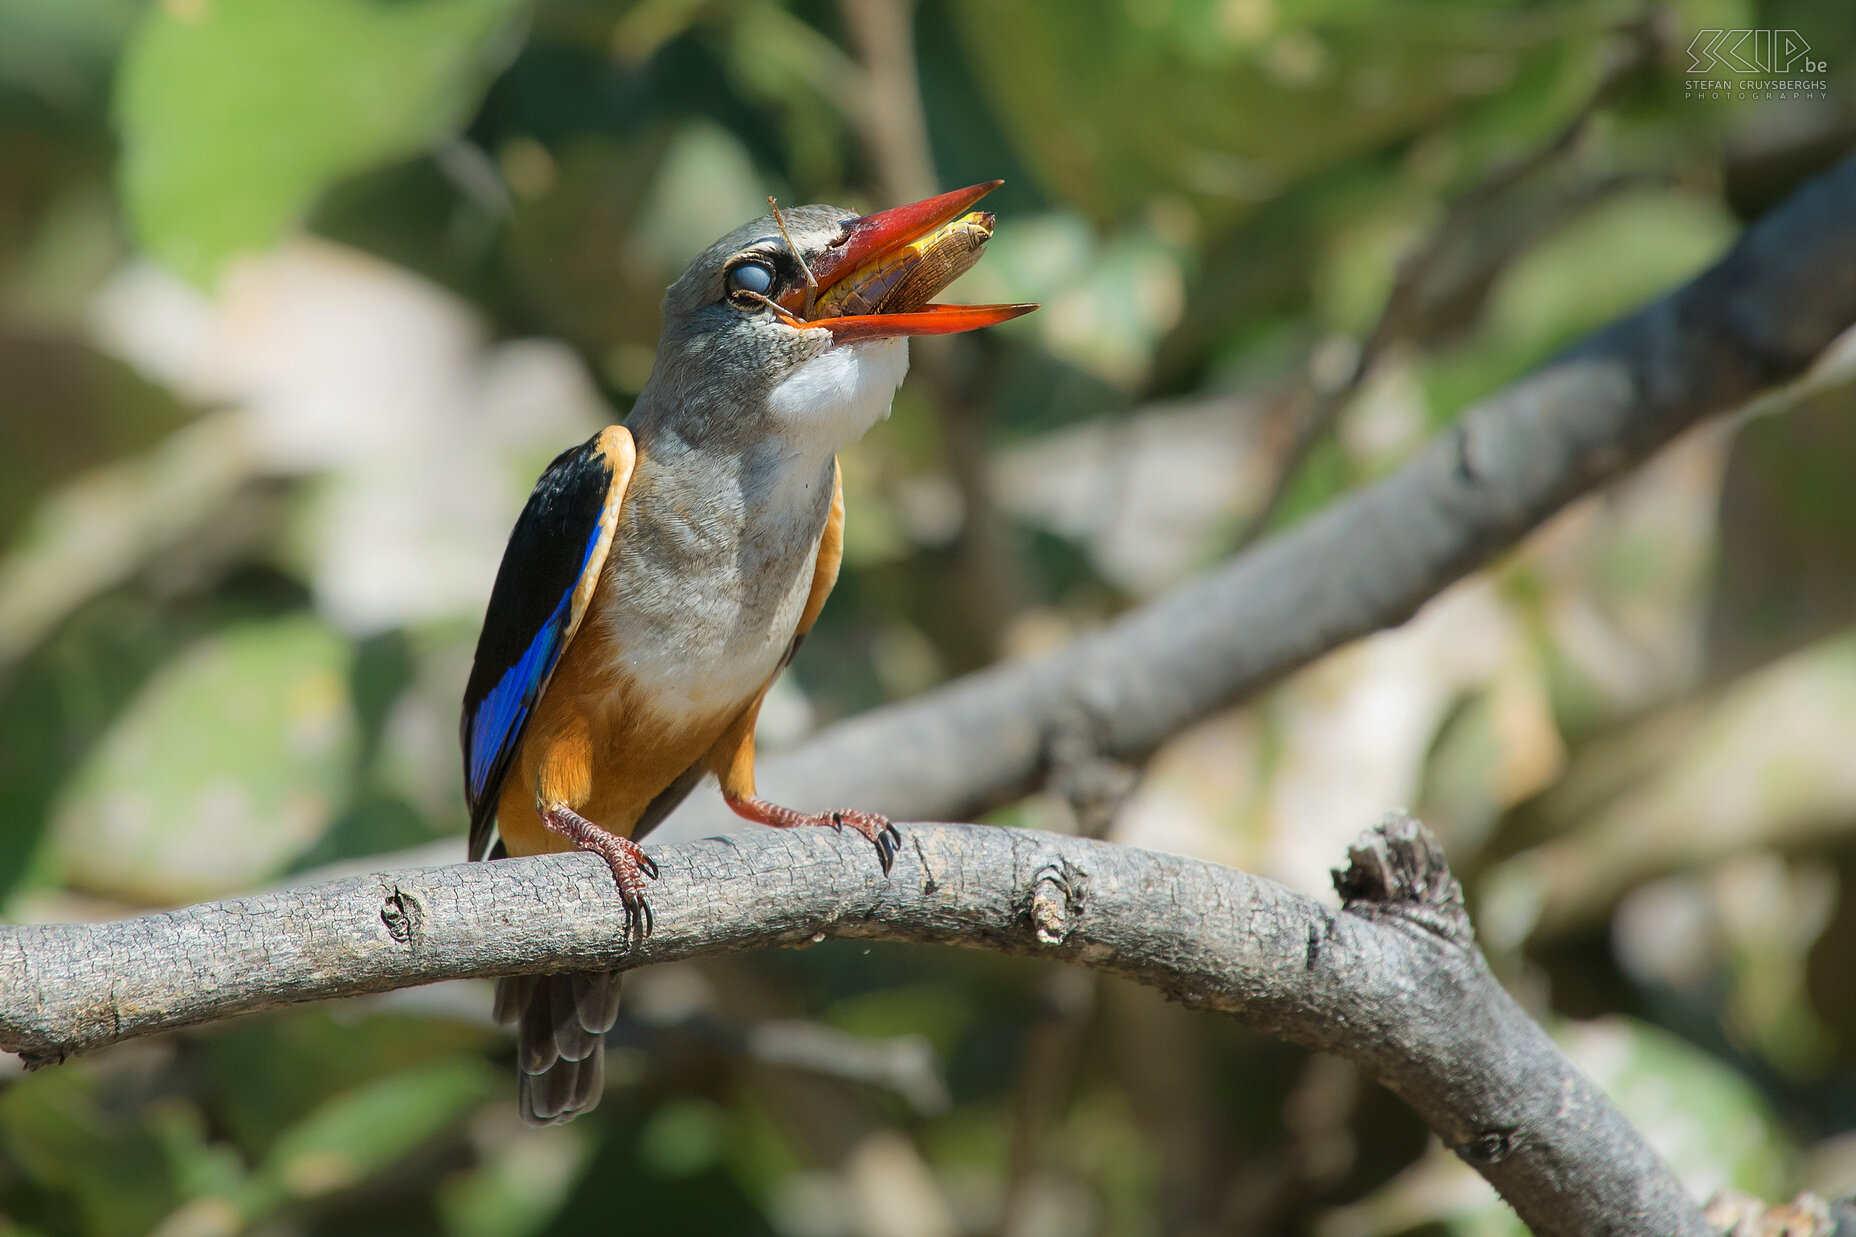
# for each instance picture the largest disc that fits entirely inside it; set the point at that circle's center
(595, 746)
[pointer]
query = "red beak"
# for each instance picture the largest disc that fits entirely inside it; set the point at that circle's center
(928, 320)
(867, 240)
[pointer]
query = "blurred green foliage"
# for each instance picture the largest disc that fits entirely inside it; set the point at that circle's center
(296, 299)
(235, 116)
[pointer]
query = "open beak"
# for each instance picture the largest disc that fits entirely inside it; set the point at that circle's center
(877, 281)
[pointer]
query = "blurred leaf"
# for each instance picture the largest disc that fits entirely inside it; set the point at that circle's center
(649, 24)
(231, 761)
(1600, 266)
(621, 1181)
(801, 76)
(361, 1133)
(939, 1012)
(417, 759)
(1763, 761)
(201, 1166)
(1730, 943)
(1230, 103)
(1498, 749)
(1357, 271)
(59, 1126)
(94, 533)
(1607, 263)
(77, 243)
(683, 1137)
(705, 187)
(1787, 531)
(1115, 1160)
(569, 246)
(59, 49)
(257, 1101)
(1708, 1122)
(1106, 304)
(66, 407)
(372, 825)
(235, 114)
(520, 1179)
(60, 701)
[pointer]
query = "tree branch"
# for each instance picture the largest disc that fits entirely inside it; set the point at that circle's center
(1368, 561)
(1394, 980)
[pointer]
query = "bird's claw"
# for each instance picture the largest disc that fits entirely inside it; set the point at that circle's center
(877, 828)
(630, 868)
(630, 865)
(872, 825)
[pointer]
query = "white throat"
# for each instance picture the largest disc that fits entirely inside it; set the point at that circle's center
(832, 399)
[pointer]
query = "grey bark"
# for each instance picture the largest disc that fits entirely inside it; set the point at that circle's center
(1393, 980)
(1757, 317)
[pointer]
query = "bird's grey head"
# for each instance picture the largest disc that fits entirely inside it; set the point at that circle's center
(753, 351)
(730, 364)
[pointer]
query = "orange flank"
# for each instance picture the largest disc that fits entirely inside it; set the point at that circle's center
(591, 747)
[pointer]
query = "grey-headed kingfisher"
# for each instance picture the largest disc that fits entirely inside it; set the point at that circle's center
(665, 571)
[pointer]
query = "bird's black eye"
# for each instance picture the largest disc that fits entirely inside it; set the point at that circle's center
(748, 277)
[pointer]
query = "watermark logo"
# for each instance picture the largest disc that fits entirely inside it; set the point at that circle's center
(1751, 51)
(1754, 64)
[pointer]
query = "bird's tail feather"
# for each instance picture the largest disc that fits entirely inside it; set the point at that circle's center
(561, 1028)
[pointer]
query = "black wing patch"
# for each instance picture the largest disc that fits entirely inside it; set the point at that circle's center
(525, 629)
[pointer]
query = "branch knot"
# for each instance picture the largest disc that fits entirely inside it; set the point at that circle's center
(401, 913)
(1398, 870)
(1055, 900)
(1488, 1147)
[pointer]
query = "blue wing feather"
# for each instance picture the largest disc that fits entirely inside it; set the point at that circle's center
(500, 716)
(525, 629)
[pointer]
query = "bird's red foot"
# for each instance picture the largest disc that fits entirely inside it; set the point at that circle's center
(876, 828)
(629, 864)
